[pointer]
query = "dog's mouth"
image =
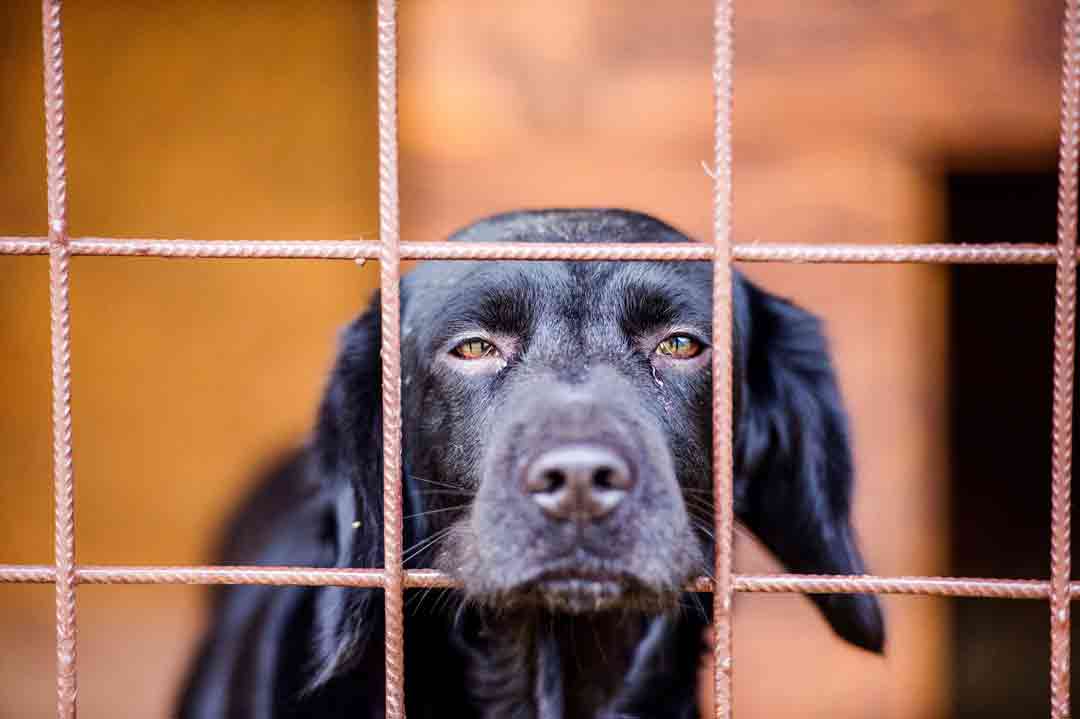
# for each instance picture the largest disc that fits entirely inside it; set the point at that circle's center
(578, 591)
(582, 591)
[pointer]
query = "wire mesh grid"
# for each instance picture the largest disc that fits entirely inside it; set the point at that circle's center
(65, 574)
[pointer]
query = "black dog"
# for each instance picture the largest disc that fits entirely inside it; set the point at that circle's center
(557, 462)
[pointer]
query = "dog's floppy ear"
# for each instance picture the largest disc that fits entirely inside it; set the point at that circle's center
(347, 455)
(793, 455)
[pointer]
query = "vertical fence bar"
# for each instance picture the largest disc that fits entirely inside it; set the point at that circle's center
(723, 400)
(1064, 353)
(390, 268)
(60, 331)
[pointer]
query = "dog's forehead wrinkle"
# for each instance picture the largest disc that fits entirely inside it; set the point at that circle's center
(574, 312)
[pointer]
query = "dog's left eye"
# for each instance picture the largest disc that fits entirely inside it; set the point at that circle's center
(474, 348)
(679, 347)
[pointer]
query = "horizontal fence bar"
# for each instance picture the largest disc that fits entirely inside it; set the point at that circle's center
(419, 578)
(920, 586)
(208, 249)
(987, 254)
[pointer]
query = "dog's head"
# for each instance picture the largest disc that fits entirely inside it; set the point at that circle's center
(557, 427)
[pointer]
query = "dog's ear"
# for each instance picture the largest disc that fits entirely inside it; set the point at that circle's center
(793, 455)
(347, 456)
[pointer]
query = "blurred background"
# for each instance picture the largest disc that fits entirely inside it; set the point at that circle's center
(923, 121)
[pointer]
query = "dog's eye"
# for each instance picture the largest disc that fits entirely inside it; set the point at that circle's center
(679, 347)
(474, 348)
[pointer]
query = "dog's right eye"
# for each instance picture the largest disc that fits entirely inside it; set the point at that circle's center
(680, 346)
(474, 348)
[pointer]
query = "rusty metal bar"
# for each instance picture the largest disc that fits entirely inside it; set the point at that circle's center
(424, 578)
(983, 254)
(390, 299)
(1064, 357)
(722, 387)
(283, 576)
(917, 586)
(60, 341)
(988, 254)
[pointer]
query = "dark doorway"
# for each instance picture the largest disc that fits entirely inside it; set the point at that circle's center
(1002, 322)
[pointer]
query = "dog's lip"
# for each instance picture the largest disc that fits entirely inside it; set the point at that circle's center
(580, 585)
(579, 590)
(576, 574)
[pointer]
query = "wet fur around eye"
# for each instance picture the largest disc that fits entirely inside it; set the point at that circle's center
(559, 478)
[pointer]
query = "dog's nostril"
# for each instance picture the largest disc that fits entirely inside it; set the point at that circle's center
(581, 482)
(553, 481)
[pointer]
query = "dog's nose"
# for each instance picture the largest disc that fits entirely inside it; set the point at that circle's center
(579, 482)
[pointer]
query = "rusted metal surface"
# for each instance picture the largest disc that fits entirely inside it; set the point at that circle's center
(424, 578)
(285, 576)
(1064, 357)
(924, 586)
(988, 254)
(390, 299)
(722, 389)
(60, 341)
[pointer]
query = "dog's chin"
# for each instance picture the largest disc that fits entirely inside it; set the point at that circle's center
(580, 594)
(576, 592)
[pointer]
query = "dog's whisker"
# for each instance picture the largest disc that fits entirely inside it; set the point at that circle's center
(698, 490)
(443, 602)
(423, 544)
(695, 603)
(424, 595)
(435, 511)
(414, 596)
(705, 524)
(420, 597)
(697, 524)
(700, 514)
(420, 550)
(695, 503)
(437, 483)
(458, 492)
(426, 539)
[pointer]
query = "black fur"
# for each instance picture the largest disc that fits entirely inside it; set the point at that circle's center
(557, 618)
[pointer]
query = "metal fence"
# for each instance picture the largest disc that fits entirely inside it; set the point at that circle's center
(389, 250)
